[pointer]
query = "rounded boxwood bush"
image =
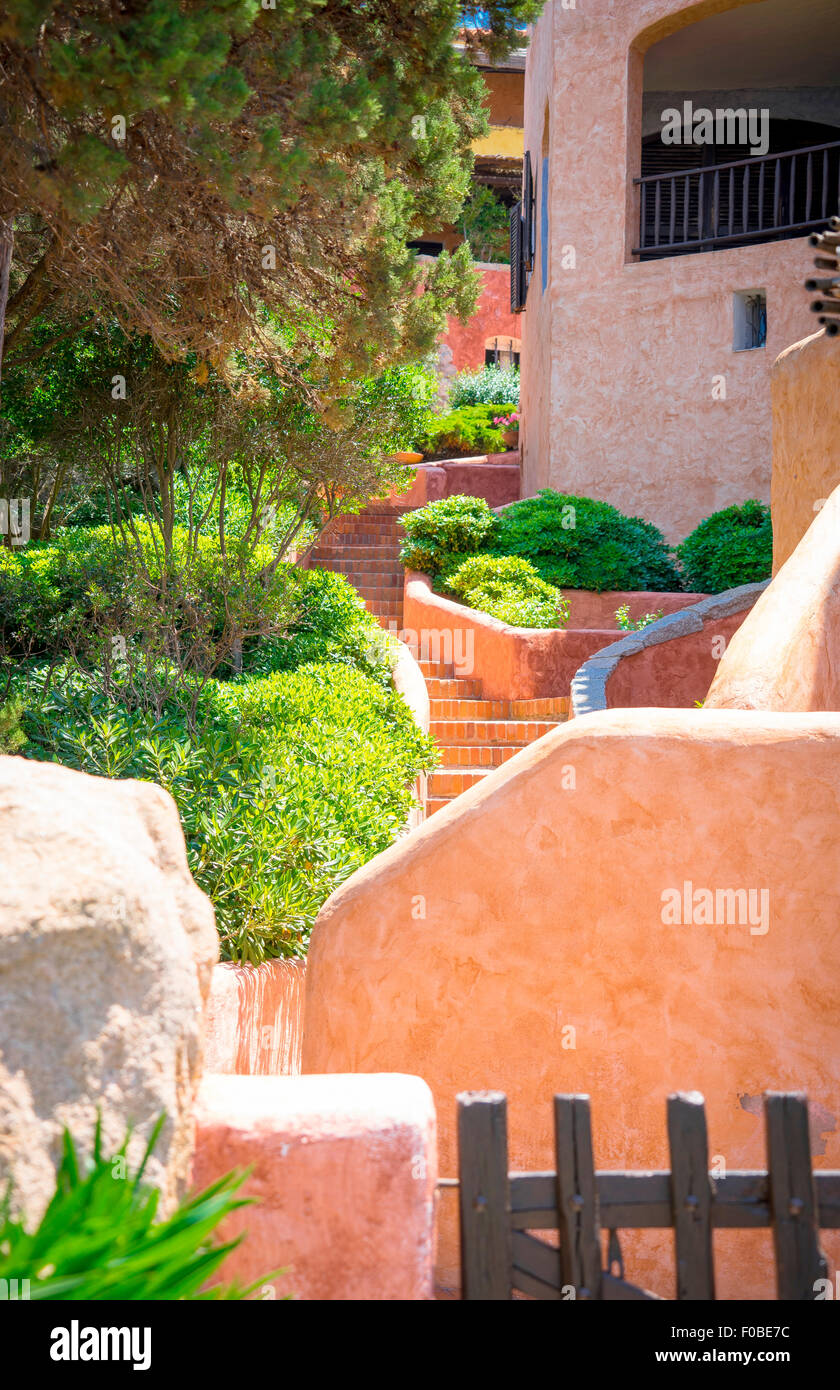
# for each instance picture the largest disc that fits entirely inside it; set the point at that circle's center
(508, 588)
(440, 533)
(731, 547)
(578, 543)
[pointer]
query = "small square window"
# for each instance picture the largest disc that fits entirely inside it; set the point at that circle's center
(750, 313)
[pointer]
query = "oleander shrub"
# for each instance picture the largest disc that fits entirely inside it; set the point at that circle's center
(508, 588)
(485, 387)
(731, 547)
(580, 543)
(443, 533)
(285, 783)
(463, 432)
(101, 1237)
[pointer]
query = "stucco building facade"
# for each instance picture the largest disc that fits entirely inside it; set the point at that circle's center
(666, 279)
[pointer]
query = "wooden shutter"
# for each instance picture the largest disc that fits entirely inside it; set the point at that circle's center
(517, 266)
(529, 229)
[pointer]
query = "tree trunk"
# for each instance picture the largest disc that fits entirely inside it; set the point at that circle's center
(7, 241)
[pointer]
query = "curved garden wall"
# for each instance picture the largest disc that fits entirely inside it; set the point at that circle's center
(669, 664)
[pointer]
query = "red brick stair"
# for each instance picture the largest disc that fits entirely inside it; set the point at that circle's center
(365, 549)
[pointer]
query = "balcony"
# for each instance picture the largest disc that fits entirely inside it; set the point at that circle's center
(746, 201)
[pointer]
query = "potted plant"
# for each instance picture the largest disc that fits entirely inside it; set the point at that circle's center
(509, 425)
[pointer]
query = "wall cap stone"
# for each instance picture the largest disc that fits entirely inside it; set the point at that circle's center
(589, 683)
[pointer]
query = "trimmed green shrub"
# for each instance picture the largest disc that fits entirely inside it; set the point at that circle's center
(441, 534)
(466, 431)
(578, 543)
(288, 783)
(100, 1238)
(731, 547)
(508, 589)
(485, 387)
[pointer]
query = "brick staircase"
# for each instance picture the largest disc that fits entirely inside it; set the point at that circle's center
(365, 549)
(474, 735)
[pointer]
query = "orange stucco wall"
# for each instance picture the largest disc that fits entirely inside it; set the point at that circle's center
(533, 905)
(619, 357)
(806, 438)
(673, 675)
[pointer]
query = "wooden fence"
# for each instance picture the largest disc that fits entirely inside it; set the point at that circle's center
(500, 1210)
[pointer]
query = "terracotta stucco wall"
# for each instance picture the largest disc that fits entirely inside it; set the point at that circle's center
(806, 438)
(492, 319)
(534, 905)
(619, 358)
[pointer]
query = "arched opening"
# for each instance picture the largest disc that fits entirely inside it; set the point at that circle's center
(502, 351)
(740, 129)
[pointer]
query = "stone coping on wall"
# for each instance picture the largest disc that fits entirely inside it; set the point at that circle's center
(589, 684)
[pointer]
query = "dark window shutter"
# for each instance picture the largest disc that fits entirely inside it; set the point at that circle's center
(517, 267)
(529, 230)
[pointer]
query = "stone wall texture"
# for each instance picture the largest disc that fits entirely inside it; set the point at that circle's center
(106, 952)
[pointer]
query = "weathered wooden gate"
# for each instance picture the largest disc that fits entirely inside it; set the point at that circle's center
(500, 1210)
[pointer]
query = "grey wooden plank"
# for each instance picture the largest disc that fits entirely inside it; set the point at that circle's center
(799, 1260)
(484, 1201)
(691, 1196)
(534, 1257)
(578, 1217)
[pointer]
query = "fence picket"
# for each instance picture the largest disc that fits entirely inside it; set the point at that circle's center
(691, 1196)
(486, 1237)
(799, 1260)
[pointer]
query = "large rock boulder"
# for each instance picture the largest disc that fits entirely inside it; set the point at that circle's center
(106, 951)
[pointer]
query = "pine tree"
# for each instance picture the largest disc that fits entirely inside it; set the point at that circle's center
(197, 167)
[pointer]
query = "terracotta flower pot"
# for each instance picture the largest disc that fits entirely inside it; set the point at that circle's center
(407, 457)
(511, 438)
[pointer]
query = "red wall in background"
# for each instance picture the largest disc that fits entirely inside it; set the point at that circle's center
(492, 317)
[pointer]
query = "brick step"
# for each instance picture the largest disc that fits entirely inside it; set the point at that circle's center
(381, 610)
(479, 754)
(436, 670)
(451, 781)
(389, 623)
(557, 707)
(353, 564)
(469, 709)
(375, 585)
(449, 688)
(367, 550)
(503, 731)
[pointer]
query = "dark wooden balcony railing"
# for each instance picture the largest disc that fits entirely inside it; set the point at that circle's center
(750, 200)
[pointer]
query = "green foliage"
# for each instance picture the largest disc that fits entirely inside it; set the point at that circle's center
(485, 223)
(578, 543)
(441, 533)
(12, 737)
(331, 623)
(486, 387)
(403, 397)
(731, 547)
(509, 589)
(285, 784)
(628, 624)
(463, 432)
(100, 1238)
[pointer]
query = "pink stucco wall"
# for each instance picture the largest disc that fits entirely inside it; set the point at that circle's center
(343, 1172)
(619, 357)
(673, 675)
(541, 893)
(806, 438)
